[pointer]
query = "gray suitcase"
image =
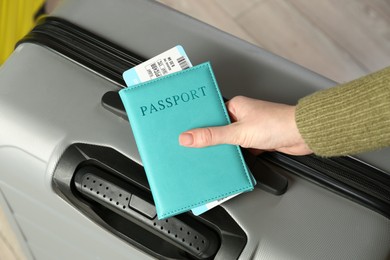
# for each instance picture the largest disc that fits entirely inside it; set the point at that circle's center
(63, 132)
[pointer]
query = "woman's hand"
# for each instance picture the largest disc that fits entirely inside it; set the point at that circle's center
(255, 124)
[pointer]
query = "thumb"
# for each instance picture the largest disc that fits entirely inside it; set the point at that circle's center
(201, 137)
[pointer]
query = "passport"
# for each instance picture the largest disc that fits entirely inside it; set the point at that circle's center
(182, 178)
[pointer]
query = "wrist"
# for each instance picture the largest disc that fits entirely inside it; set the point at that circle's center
(294, 142)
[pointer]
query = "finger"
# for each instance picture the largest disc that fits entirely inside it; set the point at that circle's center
(231, 111)
(201, 137)
(233, 105)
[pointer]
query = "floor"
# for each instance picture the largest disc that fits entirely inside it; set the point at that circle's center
(341, 40)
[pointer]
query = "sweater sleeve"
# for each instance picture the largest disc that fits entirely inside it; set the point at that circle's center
(347, 119)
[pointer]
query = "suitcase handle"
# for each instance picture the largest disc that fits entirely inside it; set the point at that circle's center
(82, 176)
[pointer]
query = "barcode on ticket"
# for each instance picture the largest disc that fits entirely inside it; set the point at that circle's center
(170, 61)
(183, 63)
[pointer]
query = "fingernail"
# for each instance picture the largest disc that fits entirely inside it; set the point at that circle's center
(186, 139)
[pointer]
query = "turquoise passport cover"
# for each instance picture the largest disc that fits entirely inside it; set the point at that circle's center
(182, 178)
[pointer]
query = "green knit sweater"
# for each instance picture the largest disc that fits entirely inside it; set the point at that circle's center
(349, 118)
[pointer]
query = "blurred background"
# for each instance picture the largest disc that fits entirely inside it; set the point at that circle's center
(339, 39)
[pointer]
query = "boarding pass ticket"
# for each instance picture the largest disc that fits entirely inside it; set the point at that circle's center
(170, 61)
